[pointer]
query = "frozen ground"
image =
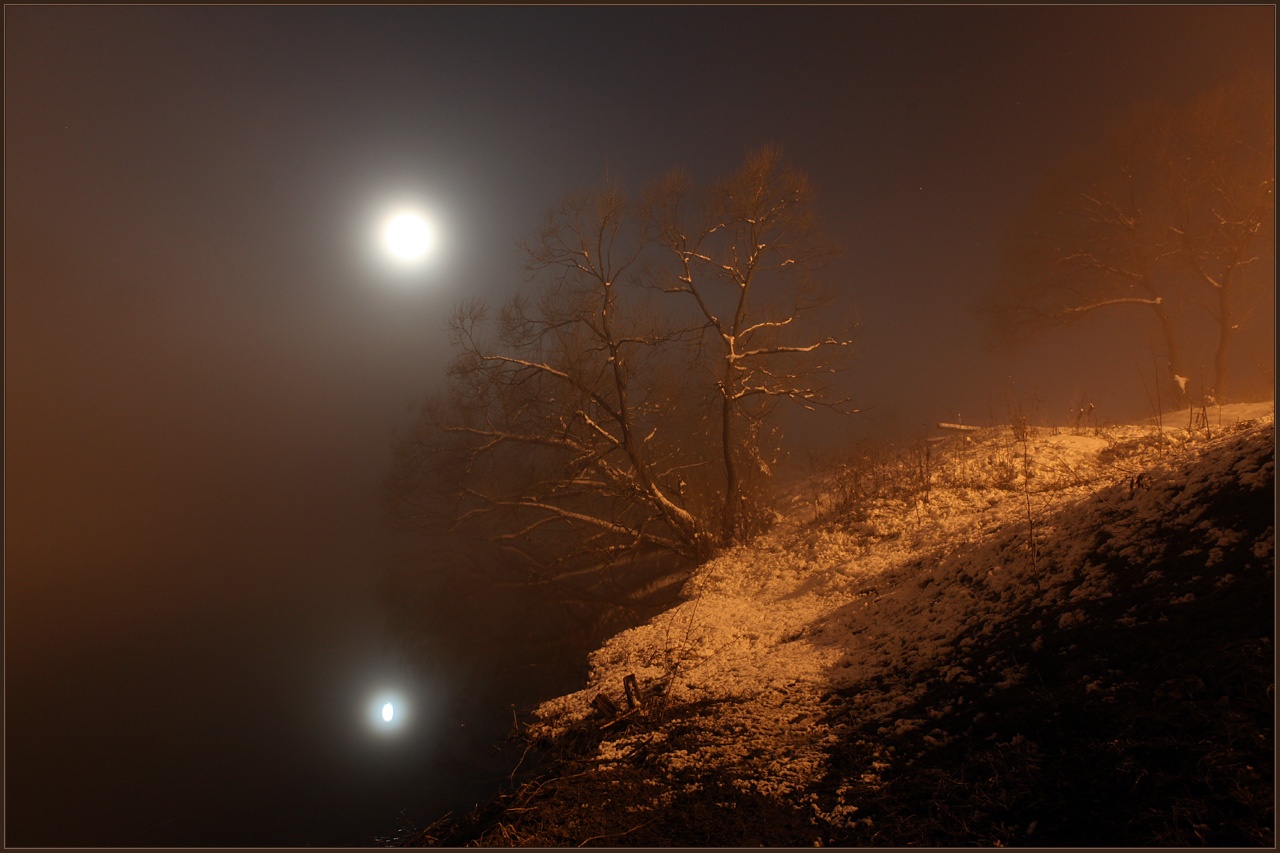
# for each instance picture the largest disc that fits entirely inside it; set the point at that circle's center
(897, 607)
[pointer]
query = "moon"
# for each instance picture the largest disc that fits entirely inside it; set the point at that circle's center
(407, 236)
(388, 712)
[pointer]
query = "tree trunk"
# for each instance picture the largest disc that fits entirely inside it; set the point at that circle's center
(1225, 328)
(731, 486)
(1173, 361)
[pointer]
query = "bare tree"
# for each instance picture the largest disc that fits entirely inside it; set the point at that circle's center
(744, 253)
(1172, 209)
(1224, 187)
(560, 419)
(576, 422)
(1096, 238)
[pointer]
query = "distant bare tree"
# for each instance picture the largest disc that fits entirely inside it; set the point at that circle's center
(1174, 206)
(1223, 176)
(576, 422)
(1096, 238)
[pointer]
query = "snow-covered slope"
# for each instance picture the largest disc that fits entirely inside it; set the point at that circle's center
(804, 668)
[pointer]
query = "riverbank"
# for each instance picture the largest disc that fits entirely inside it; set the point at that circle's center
(1014, 636)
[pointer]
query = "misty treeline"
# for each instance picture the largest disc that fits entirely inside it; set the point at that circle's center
(1169, 218)
(624, 399)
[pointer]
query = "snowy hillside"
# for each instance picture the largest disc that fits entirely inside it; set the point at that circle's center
(907, 661)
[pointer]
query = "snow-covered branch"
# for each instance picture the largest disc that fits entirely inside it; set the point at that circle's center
(1124, 300)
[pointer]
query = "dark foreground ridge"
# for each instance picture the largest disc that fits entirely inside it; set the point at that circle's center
(1144, 718)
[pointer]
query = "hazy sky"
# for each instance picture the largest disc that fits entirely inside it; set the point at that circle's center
(205, 362)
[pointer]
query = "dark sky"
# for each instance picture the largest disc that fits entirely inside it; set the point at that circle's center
(205, 362)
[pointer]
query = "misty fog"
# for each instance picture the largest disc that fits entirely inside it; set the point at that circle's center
(206, 368)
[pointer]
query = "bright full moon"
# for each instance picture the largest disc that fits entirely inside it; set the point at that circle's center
(407, 236)
(388, 712)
